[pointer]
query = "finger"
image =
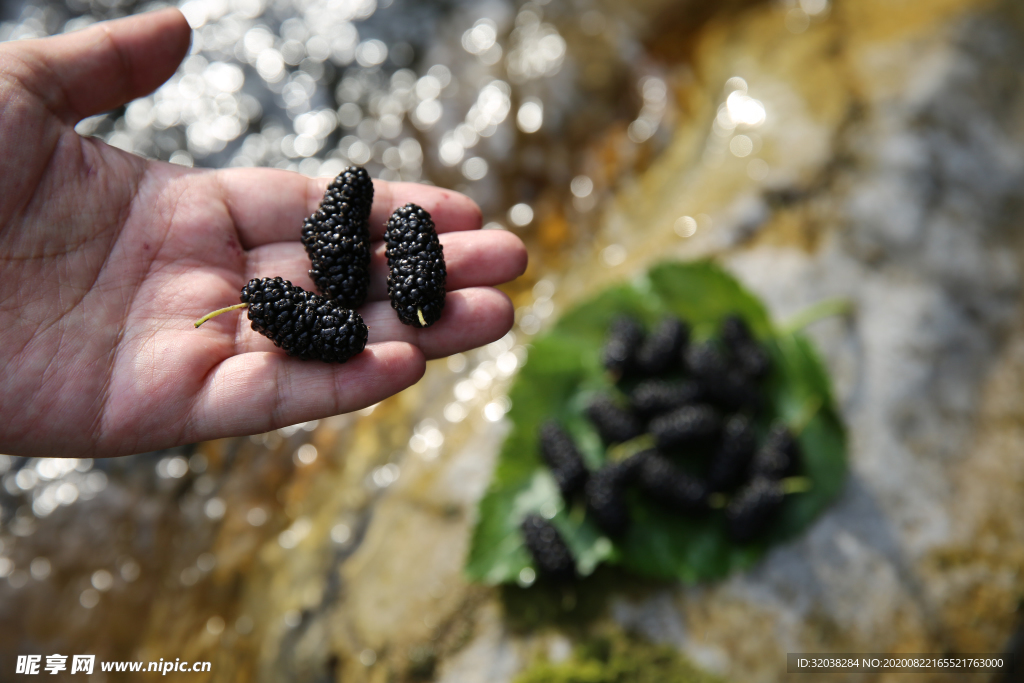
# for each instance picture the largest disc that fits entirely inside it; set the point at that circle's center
(472, 317)
(472, 259)
(252, 393)
(106, 65)
(269, 205)
(451, 211)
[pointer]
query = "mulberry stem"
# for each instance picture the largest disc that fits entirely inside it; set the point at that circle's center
(214, 314)
(419, 314)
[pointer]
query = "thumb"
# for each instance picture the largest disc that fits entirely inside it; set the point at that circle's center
(104, 66)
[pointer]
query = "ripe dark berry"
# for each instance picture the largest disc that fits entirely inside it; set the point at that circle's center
(661, 350)
(605, 493)
(551, 556)
(654, 397)
(417, 276)
(666, 484)
(615, 424)
(730, 462)
(302, 323)
(624, 339)
(706, 362)
(733, 391)
(687, 425)
(337, 238)
(561, 455)
(777, 457)
(753, 507)
(749, 357)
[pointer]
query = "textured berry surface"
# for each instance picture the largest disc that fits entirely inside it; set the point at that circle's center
(605, 492)
(337, 238)
(666, 484)
(752, 509)
(302, 323)
(561, 455)
(748, 355)
(417, 274)
(778, 454)
(686, 425)
(614, 423)
(551, 556)
(620, 349)
(661, 350)
(731, 460)
(654, 397)
(706, 362)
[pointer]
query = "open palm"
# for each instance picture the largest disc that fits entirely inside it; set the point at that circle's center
(106, 259)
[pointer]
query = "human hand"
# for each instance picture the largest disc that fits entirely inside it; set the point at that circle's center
(106, 259)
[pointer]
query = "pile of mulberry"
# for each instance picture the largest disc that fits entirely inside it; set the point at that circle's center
(417, 274)
(550, 554)
(302, 323)
(699, 403)
(337, 238)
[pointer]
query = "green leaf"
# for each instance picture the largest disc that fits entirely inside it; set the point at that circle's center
(564, 370)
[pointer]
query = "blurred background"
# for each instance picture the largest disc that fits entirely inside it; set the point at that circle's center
(871, 150)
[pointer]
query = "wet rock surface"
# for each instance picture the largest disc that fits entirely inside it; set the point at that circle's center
(868, 151)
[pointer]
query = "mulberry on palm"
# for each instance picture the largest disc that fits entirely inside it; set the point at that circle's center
(417, 273)
(302, 323)
(337, 238)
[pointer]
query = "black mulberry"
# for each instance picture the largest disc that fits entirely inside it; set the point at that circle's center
(561, 455)
(302, 323)
(613, 423)
(686, 425)
(751, 359)
(662, 349)
(337, 238)
(730, 462)
(654, 397)
(706, 362)
(666, 484)
(753, 507)
(606, 494)
(620, 349)
(417, 276)
(778, 454)
(733, 391)
(550, 554)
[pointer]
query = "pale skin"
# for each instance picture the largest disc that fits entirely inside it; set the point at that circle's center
(107, 259)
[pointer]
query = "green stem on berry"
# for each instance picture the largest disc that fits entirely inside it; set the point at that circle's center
(625, 449)
(816, 312)
(419, 314)
(214, 314)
